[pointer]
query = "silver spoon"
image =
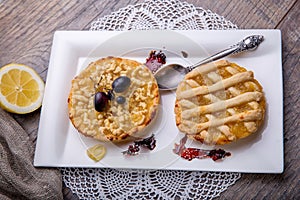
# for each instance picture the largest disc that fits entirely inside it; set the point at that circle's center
(168, 77)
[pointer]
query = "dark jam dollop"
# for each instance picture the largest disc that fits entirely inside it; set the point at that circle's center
(155, 60)
(192, 153)
(215, 154)
(148, 143)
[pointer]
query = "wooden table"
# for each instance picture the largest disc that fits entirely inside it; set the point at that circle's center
(26, 33)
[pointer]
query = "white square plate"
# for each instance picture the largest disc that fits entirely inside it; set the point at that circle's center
(60, 145)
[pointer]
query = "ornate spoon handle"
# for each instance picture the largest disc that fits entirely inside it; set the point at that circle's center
(249, 43)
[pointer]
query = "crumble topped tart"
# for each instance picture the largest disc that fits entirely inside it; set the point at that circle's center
(219, 103)
(119, 121)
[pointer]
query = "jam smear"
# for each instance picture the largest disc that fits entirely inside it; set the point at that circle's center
(155, 60)
(133, 149)
(192, 153)
(215, 154)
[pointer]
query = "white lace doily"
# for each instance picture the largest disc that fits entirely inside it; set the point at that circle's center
(152, 184)
(162, 14)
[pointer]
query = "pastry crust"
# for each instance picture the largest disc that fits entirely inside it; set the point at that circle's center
(119, 122)
(219, 103)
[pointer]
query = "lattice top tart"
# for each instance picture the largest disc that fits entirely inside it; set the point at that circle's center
(219, 103)
(113, 99)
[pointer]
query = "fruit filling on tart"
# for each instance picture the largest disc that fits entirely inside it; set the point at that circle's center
(113, 99)
(219, 103)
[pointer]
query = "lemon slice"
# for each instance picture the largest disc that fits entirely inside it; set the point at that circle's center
(21, 89)
(96, 152)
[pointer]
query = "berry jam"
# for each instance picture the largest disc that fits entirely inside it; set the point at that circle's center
(215, 154)
(192, 153)
(155, 60)
(148, 143)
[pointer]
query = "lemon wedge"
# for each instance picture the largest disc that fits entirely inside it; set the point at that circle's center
(21, 89)
(96, 152)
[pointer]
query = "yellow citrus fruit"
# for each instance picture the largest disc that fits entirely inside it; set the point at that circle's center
(96, 152)
(21, 89)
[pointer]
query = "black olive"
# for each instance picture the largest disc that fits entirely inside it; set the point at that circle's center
(120, 99)
(101, 101)
(120, 84)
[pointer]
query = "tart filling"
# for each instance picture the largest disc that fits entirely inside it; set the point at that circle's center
(219, 103)
(127, 110)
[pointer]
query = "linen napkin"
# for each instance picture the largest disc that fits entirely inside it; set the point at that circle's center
(19, 179)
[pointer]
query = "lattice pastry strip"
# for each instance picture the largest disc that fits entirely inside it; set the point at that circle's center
(219, 103)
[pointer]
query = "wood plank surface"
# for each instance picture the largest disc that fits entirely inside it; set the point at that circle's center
(26, 33)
